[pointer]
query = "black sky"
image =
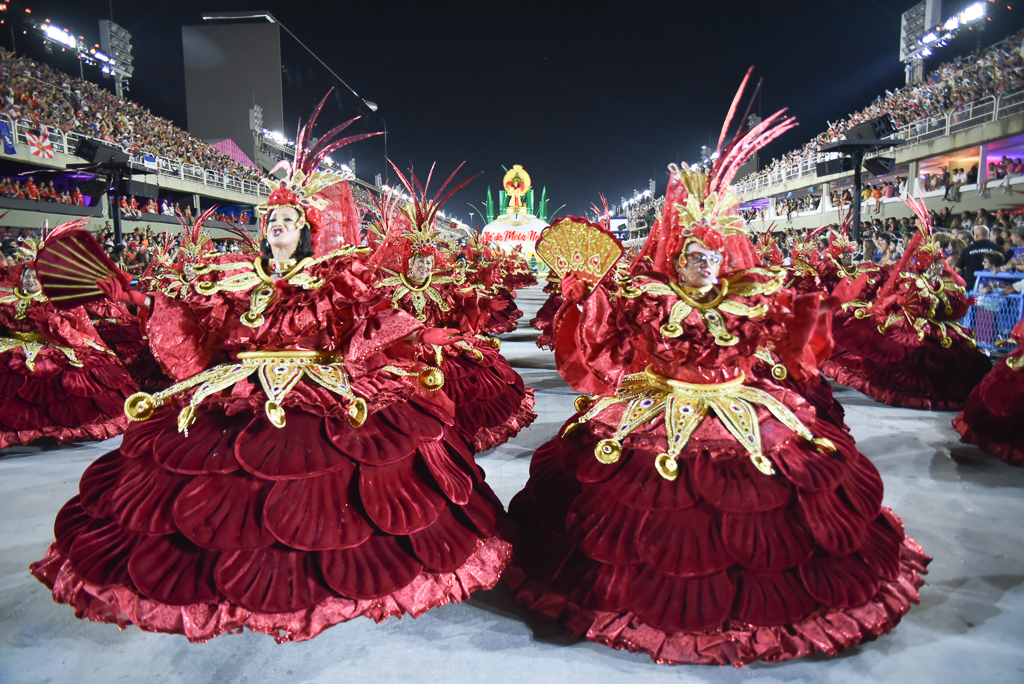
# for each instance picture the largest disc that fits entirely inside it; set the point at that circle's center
(588, 97)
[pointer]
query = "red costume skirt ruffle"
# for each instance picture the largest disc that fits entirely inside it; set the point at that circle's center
(61, 401)
(285, 530)
(993, 418)
(492, 404)
(544, 321)
(504, 315)
(126, 340)
(724, 565)
(898, 369)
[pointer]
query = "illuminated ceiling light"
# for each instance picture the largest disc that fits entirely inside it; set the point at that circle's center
(59, 35)
(972, 13)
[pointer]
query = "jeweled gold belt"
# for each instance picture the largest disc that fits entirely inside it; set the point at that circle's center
(279, 371)
(685, 405)
(32, 343)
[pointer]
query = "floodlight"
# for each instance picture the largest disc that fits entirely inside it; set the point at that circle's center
(973, 13)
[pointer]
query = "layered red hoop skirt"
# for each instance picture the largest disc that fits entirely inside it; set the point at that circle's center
(993, 418)
(492, 404)
(59, 400)
(724, 565)
(545, 318)
(504, 314)
(286, 531)
(899, 369)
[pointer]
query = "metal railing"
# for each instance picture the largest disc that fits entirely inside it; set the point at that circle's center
(66, 143)
(970, 115)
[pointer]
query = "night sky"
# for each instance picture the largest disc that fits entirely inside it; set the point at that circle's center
(587, 100)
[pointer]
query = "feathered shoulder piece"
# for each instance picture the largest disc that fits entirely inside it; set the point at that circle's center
(196, 242)
(602, 218)
(768, 248)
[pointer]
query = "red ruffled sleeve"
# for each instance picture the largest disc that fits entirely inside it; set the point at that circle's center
(179, 342)
(594, 347)
(807, 327)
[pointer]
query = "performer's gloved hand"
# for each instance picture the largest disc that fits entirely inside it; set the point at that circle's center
(117, 288)
(440, 336)
(573, 289)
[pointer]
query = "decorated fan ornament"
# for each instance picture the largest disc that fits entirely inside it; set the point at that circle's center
(575, 245)
(68, 265)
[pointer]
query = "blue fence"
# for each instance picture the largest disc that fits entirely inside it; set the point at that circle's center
(993, 314)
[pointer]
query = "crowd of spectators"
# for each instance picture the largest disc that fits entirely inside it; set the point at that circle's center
(946, 90)
(793, 205)
(43, 95)
(641, 214)
(972, 241)
(131, 207)
(43, 191)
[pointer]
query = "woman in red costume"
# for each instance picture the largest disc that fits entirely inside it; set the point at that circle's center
(544, 319)
(300, 473)
(904, 346)
(691, 511)
(491, 404)
(816, 389)
(993, 418)
(803, 276)
(488, 279)
(518, 273)
(57, 378)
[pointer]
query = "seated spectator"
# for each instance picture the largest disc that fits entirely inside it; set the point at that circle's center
(1012, 167)
(990, 262)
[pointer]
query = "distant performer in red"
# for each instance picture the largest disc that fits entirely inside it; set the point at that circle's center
(904, 346)
(57, 377)
(993, 418)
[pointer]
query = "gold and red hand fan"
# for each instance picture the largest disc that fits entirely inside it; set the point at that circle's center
(575, 245)
(68, 266)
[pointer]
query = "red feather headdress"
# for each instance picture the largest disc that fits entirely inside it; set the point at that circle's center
(404, 231)
(701, 208)
(305, 185)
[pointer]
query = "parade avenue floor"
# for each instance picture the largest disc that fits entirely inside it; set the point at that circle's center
(966, 508)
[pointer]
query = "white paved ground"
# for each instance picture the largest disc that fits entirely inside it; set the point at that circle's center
(965, 507)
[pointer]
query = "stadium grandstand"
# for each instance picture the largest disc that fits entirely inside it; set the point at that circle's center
(959, 143)
(45, 113)
(959, 146)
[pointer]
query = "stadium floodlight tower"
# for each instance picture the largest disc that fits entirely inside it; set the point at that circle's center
(922, 31)
(117, 44)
